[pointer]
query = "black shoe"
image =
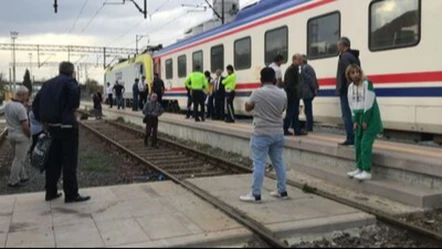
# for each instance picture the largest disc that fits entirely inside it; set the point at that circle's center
(302, 133)
(347, 143)
(53, 197)
(197, 120)
(78, 198)
(17, 185)
(25, 180)
(288, 133)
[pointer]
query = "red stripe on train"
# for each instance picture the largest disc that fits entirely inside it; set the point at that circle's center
(419, 77)
(293, 12)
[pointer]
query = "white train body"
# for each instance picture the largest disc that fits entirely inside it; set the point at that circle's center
(402, 58)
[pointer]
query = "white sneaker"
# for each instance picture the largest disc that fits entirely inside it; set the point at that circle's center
(363, 176)
(279, 195)
(250, 198)
(354, 173)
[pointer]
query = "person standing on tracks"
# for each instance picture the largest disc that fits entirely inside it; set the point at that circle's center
(230, 85)
(152, 110)
(143, 91)
(135, 95)
(276, 66)
(219, 92)
(110, 96)
(292, 87)
(55, 106)
(18, 135)
(119, 92)
(197, 82)
(97, 99)
(346, 58)
(268, 104)
(367, 122)
(309, 89)
(158, 88)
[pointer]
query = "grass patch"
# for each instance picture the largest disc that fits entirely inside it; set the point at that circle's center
(95, 162)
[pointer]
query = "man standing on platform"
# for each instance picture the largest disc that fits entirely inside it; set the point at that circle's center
(158, 88)
(55, 106)
(110, 96)
(220, 94)
(143, 91)
(230, 85)
(268, 104)
(119, 91)
(135, 94)
(196, 81)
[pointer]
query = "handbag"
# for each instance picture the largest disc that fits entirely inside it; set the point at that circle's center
(40, 154)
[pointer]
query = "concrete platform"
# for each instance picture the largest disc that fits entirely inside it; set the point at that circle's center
(302, 214)
(408, 174)
(143, 215)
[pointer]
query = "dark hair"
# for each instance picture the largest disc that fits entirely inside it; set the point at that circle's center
(268, 75)
(66, 68)
(136, 79)
(278, 58)
(197, 68)
(108, 83)
(230, 68)
(143, 77)
(345, 41)
(207, 73)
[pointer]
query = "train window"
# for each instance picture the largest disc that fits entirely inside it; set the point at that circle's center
(276, 42)
(182, 66)
(394, 24)
(243, 53)
(217, 58)
(169, 69)
(197, 60)
(323, 33)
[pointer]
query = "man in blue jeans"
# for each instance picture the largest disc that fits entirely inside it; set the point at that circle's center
(347, 57)
(268, 104)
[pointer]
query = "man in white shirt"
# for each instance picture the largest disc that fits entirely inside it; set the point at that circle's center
(142, 91)
(276, 66)
(110, 94)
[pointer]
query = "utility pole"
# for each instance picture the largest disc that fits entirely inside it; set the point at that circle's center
(137, 39)
(223, 15)
(14, 36)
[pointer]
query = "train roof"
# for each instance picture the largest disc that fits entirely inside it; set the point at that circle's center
(246, 15)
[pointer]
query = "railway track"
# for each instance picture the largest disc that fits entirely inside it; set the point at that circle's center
(176, 154)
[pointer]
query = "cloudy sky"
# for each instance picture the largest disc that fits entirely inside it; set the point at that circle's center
(89, 22)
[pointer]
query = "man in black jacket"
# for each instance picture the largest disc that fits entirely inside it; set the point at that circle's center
(158, 87)
(346, 58)
(220, 95)
(293, 89)
(55, 106)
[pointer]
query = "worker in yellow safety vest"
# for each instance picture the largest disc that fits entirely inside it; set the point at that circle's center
(230, 85)
(197, 83)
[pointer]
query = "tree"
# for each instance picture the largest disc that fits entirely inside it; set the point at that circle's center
(27, 81)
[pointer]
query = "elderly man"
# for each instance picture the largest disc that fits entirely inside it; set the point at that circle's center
(18, 135)
(152, 110)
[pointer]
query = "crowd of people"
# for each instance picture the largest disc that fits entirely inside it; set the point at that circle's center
(53, 113)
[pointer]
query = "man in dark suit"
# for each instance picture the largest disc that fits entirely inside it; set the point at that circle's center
(220, 93)
(293, 89)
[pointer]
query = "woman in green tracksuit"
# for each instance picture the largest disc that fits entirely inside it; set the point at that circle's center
(367, 121)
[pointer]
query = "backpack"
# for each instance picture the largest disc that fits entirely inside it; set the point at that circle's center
(40, 154)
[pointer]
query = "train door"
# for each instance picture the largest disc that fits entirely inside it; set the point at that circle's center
(157, 66)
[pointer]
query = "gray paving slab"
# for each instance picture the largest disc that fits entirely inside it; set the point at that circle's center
(159, 214)
(302, 213)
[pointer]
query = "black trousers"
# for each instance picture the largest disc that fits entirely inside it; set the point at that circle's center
(198, 101)
(151, 130)
(189, 104)
(63, 155)
(111, 99)
(230, 96)
(142, 99)
(220, 105)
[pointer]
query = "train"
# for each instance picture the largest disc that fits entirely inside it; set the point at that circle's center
(396, 38)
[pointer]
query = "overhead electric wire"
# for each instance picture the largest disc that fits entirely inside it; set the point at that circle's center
(92, 18)
(78, 16)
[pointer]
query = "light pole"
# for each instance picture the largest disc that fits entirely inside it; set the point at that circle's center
(14, 35)
(138, 38)
(30, 66)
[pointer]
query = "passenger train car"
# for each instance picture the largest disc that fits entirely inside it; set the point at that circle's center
(398, 40)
